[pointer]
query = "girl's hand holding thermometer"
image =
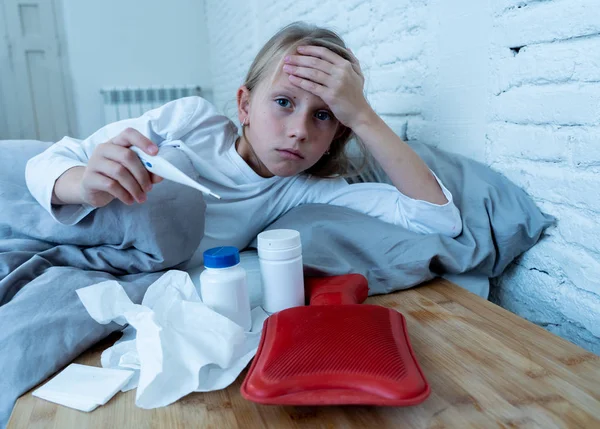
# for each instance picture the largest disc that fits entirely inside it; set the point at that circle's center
(119, 169)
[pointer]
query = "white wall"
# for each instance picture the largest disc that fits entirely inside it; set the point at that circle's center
(444, 72)
(120, 43)
(9, 120)
(544, 133)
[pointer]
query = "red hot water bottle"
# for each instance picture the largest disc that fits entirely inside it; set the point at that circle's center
(335, 351)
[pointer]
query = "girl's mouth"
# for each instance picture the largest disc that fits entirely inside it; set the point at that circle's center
(290, 154)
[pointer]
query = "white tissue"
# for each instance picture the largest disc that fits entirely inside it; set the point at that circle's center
(180, 344)
(123, 354)
(83, 387)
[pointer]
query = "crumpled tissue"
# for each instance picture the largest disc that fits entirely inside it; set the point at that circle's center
(174, 342)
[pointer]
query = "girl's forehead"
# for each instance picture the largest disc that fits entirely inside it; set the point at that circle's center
(275, 63)
(275, 68)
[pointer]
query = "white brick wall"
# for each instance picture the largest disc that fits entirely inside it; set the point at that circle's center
(514, 83)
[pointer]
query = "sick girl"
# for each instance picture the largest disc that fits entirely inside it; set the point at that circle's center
(300, 104)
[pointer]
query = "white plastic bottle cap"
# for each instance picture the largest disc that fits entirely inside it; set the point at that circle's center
(278, 239)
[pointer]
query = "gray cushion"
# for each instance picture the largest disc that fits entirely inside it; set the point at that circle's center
(500, 221)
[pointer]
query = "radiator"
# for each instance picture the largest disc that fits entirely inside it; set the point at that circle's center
(131, 102)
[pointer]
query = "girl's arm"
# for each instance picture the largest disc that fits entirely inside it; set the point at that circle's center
(384, 202)
(55, 176)
(407, 171)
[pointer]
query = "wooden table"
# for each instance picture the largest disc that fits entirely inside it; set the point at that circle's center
(487, 369)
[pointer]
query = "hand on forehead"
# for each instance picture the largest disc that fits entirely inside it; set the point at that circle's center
(338, 81)
(277, 80)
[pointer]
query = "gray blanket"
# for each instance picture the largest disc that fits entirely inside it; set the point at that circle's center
(43, 324)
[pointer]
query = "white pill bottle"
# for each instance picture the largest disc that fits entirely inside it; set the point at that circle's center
(280, 258)
(223, 285)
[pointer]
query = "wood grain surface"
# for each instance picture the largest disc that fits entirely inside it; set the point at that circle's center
(487, 368)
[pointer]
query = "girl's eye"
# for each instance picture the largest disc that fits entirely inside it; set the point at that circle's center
(323, 116)
(283, 102)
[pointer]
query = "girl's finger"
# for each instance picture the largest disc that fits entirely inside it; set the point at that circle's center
(131, 161)
(352, 56)
(322, 53)
(119, 173)
(155, 178)
(132, 137)
(358, 71)
(310, 62)
(355, 63)
(314, 75)
(308, 85)
(106, 184)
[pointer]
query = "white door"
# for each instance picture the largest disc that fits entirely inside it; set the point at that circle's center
(33, 93)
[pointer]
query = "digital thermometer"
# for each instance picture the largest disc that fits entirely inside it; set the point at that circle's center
(163, 168)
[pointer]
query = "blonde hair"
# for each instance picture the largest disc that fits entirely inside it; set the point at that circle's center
(336, 162)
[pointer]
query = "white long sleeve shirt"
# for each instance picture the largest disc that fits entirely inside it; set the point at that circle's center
(248, 201)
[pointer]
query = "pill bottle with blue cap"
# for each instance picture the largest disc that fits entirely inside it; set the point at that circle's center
(223, 285)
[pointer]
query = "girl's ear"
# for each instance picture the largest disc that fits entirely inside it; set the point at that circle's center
(243, 103)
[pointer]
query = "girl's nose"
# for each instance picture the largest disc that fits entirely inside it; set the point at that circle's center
(298, 127)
